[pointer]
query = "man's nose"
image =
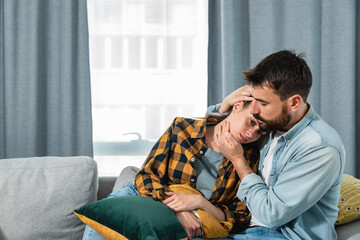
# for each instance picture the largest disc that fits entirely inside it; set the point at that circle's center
(254, 107)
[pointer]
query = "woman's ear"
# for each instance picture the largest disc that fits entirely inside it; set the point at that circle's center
(295, 102)
(238, 106)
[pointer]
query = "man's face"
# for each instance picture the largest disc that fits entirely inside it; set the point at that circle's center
(271, 112)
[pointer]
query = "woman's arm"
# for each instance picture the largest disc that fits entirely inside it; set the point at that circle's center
(150, 180)
(190, 224)
(186, 202)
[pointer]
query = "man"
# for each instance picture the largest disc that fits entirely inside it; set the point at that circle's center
(302, 159)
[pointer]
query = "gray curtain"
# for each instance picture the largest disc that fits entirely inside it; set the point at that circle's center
(242, 32)
(45, 101)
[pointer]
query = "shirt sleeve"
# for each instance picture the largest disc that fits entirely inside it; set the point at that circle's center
(299, 186)
(213, 109)
(150, 179)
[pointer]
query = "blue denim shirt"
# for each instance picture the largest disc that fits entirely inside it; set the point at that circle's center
(305, 181)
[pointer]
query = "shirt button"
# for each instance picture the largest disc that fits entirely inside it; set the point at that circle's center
(201, 152)
(192, 159)
(265, 146)
(192, 180)
(288, 141)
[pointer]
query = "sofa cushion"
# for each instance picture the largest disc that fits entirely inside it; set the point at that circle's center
(349, 203)
(349, 231)
(38, 196)
(131, 217)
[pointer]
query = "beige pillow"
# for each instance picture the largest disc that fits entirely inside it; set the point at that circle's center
(349, 203)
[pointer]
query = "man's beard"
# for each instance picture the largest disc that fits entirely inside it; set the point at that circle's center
(277, 124)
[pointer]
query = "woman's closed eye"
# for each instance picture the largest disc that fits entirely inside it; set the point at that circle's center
(252, 122)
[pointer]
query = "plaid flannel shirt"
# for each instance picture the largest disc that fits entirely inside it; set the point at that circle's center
(171, 162)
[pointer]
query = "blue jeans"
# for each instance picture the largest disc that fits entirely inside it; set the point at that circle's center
(255, 233)
(127, 190)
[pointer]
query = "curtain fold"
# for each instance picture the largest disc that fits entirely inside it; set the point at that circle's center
(243, 32)
(45, 101)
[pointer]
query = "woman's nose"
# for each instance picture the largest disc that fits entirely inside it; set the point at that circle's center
(250, 133)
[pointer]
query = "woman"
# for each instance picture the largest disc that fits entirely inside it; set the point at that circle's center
(187, 153)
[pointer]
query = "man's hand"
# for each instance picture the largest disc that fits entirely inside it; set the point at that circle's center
(240, 94)
(190, 224)
(228, 145)
(232, 149)
(179, 202)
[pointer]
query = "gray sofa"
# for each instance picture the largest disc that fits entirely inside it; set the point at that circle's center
(38, 196)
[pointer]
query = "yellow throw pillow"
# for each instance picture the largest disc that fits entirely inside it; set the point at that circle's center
(103, 230)
(212, 228)
(349, 203)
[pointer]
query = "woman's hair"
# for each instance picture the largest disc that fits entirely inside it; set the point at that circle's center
(284, 71)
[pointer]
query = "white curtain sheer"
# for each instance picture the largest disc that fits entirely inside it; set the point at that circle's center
(148, 65)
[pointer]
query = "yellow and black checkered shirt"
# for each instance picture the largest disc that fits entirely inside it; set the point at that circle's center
(171, 161)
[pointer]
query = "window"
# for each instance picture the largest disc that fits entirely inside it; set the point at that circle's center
(148, 65)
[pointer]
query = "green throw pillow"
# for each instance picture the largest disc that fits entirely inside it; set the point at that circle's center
(131, 217)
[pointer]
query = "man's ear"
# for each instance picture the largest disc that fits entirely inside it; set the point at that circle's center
(295, 102)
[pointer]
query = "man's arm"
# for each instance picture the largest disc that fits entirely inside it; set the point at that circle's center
(232, 150)
(300, 185)
(302, 182)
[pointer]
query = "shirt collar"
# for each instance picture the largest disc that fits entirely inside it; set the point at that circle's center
(298, 127)
(199, 128)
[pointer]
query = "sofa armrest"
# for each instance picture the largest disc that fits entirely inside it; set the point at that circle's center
(106, 185)
(39, 194)
(109, 184)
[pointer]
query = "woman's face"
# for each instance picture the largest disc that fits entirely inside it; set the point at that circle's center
(243, 126)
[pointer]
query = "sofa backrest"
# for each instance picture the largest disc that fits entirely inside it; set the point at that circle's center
(38, 196)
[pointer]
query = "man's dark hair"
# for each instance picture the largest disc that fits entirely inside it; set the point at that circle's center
(284, 71)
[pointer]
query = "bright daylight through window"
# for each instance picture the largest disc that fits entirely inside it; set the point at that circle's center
(148, 65)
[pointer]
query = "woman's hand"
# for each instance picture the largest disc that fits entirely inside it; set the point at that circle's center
(182, 201)
(240, 94)
(190, 224)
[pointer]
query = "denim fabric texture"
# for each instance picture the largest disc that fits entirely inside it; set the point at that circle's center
(255, 233)
(127, 190)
